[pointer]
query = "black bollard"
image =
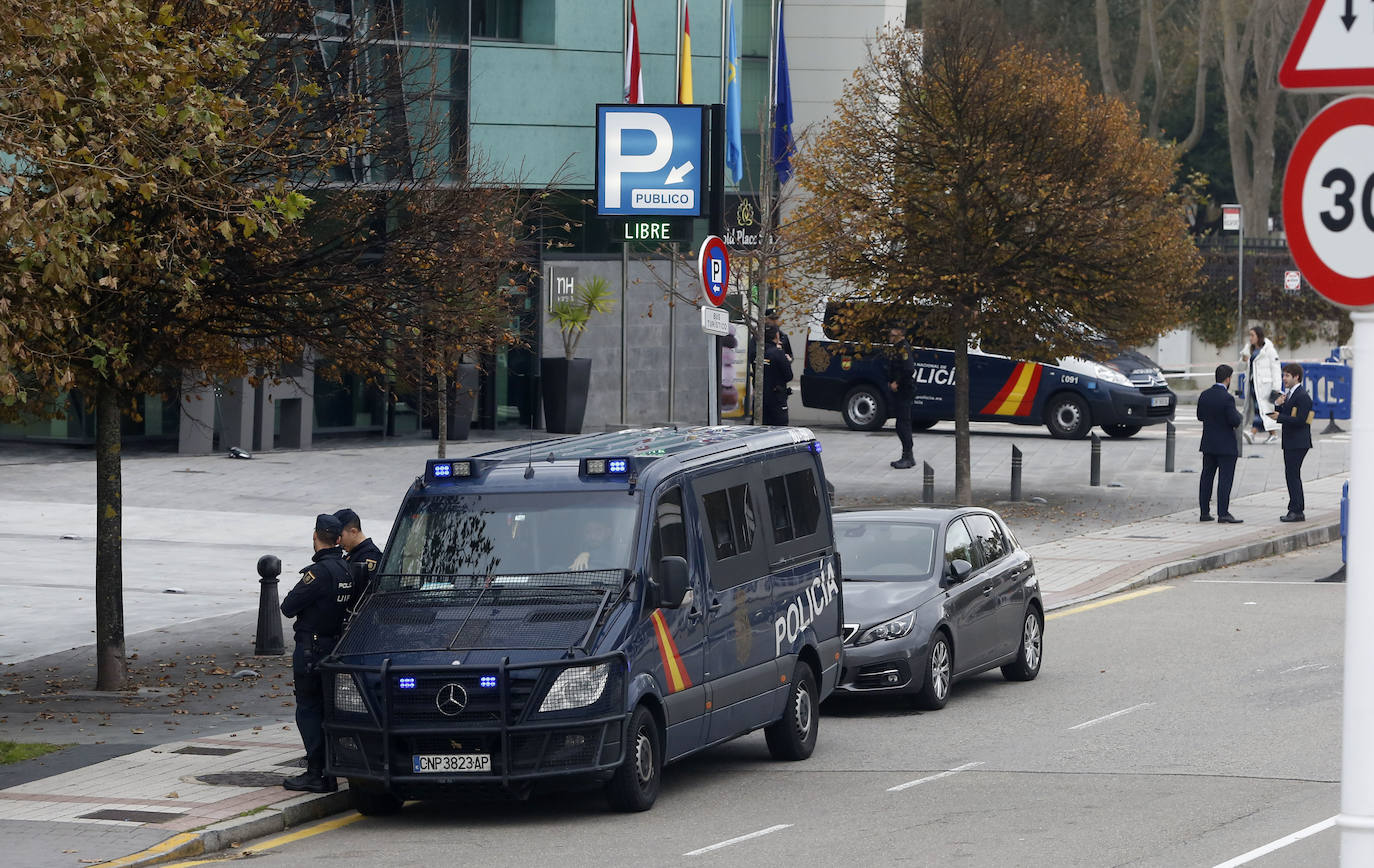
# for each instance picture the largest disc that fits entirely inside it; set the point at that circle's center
(928, 483)
(1170, 435)
(269, 639)
(1095, 472)
(1015, 473)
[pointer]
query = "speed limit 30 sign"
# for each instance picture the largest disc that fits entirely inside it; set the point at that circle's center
(1328, 202)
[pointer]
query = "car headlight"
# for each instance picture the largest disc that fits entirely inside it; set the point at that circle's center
(1111, 375)
(577, 687)
(347, 696)
(894, 629)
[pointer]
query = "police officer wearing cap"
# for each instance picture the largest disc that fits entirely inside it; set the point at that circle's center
(361, 553)
(318, 602)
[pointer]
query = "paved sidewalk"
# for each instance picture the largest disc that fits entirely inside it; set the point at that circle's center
(198, 524)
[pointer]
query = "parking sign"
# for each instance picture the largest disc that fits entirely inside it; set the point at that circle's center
(649, 160)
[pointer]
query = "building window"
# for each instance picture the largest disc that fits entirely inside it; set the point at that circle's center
(496, 19)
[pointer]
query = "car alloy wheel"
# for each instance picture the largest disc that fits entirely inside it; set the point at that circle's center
(939, 670)
(1030, 641)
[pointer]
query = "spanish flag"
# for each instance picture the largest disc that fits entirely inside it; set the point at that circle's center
(684, 66)
(634, 76)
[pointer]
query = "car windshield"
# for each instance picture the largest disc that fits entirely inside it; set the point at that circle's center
(504, 534)
(886, 551)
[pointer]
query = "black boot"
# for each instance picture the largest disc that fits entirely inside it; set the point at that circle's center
(311, 782)
(903, 463)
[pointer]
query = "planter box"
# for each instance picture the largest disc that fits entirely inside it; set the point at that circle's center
(565, 383)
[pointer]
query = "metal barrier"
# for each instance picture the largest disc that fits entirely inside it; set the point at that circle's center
(1329, 385)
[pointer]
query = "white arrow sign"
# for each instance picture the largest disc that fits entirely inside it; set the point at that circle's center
(678, 173)
(1333, 49)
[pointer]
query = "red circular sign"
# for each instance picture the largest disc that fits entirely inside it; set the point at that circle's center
(713, 264)
(1328, 202)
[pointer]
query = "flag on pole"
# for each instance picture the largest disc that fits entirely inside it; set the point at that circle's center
(734, 145)
(684, 69)
(783, 144)
(634, 77)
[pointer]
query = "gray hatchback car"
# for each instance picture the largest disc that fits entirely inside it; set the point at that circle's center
(932, 595)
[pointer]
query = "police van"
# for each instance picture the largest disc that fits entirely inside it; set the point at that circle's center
(594, 606)
(1121, 393)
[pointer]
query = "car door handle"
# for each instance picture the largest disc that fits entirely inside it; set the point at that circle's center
(714, 607)
(987, 590)
(694, 614)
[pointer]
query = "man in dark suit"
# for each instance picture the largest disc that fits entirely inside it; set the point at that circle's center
(1220, 446)
(1293, 410)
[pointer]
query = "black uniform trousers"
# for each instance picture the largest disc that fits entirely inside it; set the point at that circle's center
(1222, 468)
(901, 411)
(305, 660)
(1292, 474)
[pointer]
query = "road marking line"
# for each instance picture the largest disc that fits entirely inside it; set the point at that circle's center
(1249, 582)
(167, 846)
(954, 771)
(759, 834)
(1097, 720)
(280, 840)
(1097, 604)
(1279, 844)
(1317, 666)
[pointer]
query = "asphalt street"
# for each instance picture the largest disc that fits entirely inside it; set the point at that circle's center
(1194, 722)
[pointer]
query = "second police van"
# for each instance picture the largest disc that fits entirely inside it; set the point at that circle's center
(1120, 394)
(591, 607)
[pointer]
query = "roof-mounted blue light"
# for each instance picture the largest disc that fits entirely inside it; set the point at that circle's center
(605, 466)
(446, 471)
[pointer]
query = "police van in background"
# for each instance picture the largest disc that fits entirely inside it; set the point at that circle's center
(591, 607)
(1121, 393)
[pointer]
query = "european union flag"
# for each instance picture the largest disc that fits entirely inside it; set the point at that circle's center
(734, 145)
(783, 144)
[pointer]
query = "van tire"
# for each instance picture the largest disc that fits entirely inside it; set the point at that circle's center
(1067, 417)
(634, 785)
(1121, 431)
(794, 737)
(864, 408)
(372, 803)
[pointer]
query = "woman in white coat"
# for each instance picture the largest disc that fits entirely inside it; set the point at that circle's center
(1262, 379)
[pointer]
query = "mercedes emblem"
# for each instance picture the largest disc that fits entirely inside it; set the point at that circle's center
(451, 699)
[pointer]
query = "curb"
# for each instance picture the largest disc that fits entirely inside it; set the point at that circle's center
(228, 833)
(1306, 538)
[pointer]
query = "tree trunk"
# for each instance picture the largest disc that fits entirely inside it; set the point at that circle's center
(442, 399)
(963, 467)
(111, 669)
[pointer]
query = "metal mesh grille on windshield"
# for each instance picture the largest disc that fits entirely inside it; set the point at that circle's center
(430, 613)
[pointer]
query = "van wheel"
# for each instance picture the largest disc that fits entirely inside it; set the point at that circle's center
(1122, 431)
(864, 408)
(372, 803)
(1067, 417)
(634, 786)
(794, 737)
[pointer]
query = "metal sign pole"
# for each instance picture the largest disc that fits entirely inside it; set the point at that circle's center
(1356, 820)
(624, 297)
(672, 334)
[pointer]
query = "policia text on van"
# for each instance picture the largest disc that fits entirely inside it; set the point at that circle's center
(593, 606)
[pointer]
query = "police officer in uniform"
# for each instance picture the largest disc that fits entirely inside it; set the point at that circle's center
(777, 373)
(318, 602)
(901, 376)
(360, 552)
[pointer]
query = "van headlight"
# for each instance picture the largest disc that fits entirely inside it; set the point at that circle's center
(893, 629)
(347, 696)
(1111, 375)
(577, 687)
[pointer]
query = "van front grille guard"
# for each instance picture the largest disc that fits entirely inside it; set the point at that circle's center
(526, 735)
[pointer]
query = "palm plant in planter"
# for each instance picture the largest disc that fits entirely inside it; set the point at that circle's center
(567, 379)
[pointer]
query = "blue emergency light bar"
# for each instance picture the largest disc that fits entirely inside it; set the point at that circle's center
(487, 681)
(406, 682)
(448, 471)
(606, 466)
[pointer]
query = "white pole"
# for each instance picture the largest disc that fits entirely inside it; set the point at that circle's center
(672, 333)
(1356, 820)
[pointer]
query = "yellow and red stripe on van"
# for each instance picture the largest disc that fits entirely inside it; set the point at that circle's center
(1018, 394)
(673, 669)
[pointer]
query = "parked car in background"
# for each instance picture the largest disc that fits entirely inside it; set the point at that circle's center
(933, 595)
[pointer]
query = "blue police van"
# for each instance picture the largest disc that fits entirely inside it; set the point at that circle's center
(1120, 394)
(591, 607)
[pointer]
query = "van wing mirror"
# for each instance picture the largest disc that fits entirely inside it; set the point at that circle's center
(960, 570)
(672, 582)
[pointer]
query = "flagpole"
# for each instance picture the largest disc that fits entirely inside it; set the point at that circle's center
(723, 59)
(677, 56)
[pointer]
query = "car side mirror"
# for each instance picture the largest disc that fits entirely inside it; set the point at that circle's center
(960, 570)
(672, 582)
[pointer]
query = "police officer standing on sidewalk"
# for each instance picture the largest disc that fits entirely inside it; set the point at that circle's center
(901, 375)
(360, 552)
(777, 373)
(318, 602)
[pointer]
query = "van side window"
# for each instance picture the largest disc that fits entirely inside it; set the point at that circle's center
(959, 546)
(670, 534)
(794, 503)
(730, 516)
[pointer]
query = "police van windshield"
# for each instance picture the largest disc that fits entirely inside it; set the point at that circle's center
(504, 534)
